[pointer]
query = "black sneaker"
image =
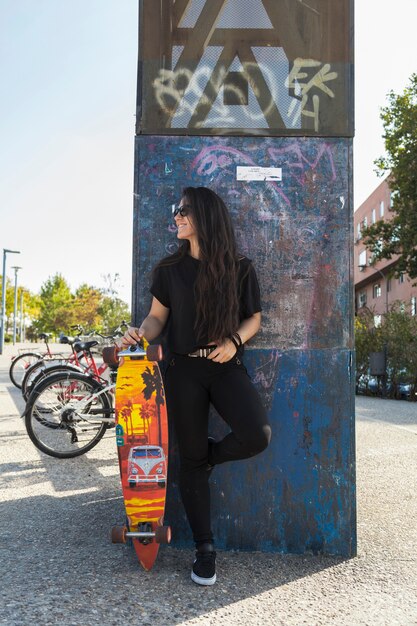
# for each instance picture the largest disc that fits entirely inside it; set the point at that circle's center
(204, 567)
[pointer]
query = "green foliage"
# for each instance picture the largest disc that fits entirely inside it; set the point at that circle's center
(31, 304)
(112, 311)
(59, 308)
(56, 308)
(367, 339)
(399, 236)
(87, 302)
(397, 334)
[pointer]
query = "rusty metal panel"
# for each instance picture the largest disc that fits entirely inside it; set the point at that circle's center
(299, 494)
(253, 67)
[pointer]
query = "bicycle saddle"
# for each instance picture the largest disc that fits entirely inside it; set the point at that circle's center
(66, 339)
(80, 346)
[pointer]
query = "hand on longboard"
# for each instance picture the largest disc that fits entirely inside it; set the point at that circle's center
(131, 337)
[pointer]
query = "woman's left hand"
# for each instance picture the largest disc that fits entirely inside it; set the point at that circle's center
(225, 351)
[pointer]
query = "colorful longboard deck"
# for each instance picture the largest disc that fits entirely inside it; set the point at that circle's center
(142, 446)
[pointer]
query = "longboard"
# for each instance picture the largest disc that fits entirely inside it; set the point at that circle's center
(142, 446)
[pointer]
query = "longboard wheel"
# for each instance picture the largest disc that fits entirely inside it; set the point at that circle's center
(154, 353)
(118, 534)
(163, 534)
(110, 355)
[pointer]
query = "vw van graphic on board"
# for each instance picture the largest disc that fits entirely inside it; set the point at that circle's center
(147, 465)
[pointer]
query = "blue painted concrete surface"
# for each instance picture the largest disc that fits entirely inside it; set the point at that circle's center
(299, 495)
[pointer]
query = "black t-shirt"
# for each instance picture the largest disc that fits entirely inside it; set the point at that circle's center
(173, 286)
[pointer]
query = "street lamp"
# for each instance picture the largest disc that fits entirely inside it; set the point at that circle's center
(21, 316)
(16, 268)
(3, 297)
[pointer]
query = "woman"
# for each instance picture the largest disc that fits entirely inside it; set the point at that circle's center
(209, 297)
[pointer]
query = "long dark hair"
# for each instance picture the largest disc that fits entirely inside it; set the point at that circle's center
(216, 287)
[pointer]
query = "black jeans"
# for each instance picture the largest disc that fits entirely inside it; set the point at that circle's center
(191, 384)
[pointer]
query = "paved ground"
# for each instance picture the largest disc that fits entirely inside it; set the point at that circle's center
(57, 564)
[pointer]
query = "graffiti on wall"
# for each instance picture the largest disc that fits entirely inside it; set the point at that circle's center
(205, 99)
(294, 230)
(299, 81)
(245, 65)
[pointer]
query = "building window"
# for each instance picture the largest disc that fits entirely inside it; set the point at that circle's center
(401, 279)
(358, 231)
(362, 299)
(377, 320)
(376, 290)
(381, 209)
(392, 197)
(413, 305)
(373, 216)
(362, 259)
(402, 307)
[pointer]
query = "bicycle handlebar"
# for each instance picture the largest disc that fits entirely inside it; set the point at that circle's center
(117, 332)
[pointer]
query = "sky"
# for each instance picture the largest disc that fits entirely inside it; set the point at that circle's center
(68, 73)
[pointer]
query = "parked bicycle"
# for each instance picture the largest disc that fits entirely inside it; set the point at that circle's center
(24, 360)
(82, 359)
(68, 412)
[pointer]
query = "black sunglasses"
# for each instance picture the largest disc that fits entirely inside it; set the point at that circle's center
(182, 210)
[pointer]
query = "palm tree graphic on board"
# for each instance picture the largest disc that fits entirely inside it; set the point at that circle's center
(126, 414)
(153, 383)
(147, 412)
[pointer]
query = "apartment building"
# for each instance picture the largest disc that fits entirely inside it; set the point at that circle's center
(375, 286)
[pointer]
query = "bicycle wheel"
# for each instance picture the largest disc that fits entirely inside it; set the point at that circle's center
(20, 365)
(66, 414)
(40, 370)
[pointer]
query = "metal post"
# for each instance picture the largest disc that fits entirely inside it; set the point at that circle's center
(16, 268)
(3, 297)
(21, 316)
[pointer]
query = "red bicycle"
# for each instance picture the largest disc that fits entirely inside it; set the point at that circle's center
(23, 361)
(81, 360)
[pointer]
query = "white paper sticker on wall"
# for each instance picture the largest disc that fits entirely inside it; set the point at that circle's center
(253, 172)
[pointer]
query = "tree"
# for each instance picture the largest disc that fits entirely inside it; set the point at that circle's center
(56, 306)
(31, 304)
(386, 239)
(112, 309)
(397, 336)
(367, 339)
(87, 302)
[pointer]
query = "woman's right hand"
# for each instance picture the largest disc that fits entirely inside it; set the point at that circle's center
(131, 337)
